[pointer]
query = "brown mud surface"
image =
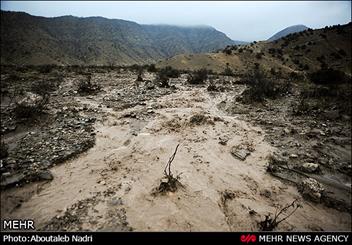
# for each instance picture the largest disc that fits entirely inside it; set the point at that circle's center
(225, 149)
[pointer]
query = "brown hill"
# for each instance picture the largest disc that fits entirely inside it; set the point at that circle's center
(68, 40)
(308, 50)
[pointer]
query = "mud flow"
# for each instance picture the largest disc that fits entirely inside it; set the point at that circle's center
(95, 157)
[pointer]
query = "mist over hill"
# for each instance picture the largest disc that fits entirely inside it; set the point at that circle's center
(28, 39)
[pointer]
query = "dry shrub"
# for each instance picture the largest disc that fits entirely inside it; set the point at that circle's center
(198, 77)
(169, 183)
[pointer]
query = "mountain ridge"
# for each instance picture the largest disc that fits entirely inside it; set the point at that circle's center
(288, 30)
(70, 40)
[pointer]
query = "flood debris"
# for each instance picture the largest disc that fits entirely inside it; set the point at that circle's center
(240, 152)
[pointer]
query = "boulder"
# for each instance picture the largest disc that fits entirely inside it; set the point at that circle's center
(30, 100)
(311, 189)
(310, 167)
(45, 175)
(11, 179)
(240, 153)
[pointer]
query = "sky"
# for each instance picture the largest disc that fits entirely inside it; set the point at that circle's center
(245, 21)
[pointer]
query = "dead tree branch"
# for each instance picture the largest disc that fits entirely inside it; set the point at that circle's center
(168, 165)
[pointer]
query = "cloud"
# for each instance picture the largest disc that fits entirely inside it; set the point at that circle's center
(239, 20)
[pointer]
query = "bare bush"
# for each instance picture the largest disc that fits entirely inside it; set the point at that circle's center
(198, 77)
(151, 68)
(86, 86)
(140, 75)
(329, 77)
(228, 71)
(261, 86)
(44, 87)
(170, 183)
(269, 224)
(169, 72)
(302, 108)
(164, 74)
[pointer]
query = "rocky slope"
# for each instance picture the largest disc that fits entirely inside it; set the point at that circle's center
(305, 51)
(68, 40)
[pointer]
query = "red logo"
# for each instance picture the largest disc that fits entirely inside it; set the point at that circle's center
(248, 238)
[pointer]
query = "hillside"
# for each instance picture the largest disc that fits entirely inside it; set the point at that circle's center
(304, 51)
(287, 31)
(68, 40)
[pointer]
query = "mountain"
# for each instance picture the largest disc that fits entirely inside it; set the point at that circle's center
(69, 40)
(304, 51)
(287, 31)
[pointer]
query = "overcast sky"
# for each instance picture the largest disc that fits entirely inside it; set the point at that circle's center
(245, 21)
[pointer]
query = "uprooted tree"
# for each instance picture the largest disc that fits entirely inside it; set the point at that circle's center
(169, 182)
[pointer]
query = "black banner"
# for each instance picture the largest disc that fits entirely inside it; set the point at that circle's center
(166, 237)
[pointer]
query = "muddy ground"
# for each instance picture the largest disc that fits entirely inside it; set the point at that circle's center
(94, 161)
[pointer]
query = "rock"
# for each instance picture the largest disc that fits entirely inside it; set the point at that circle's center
(116, 201)
(311, 189)
(346, 117)
(315, 132)
(223, 140)
(344, 167)
(12, 179)
(266, 193)
(331, 115)
(287, 131)
(293, 156)
(200, 119)
(45, 175)
(6, 174)
(310, 167)
(30, 100)
(149, 84)
(240, 153)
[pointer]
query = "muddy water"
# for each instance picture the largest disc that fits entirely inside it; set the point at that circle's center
(128, 161)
